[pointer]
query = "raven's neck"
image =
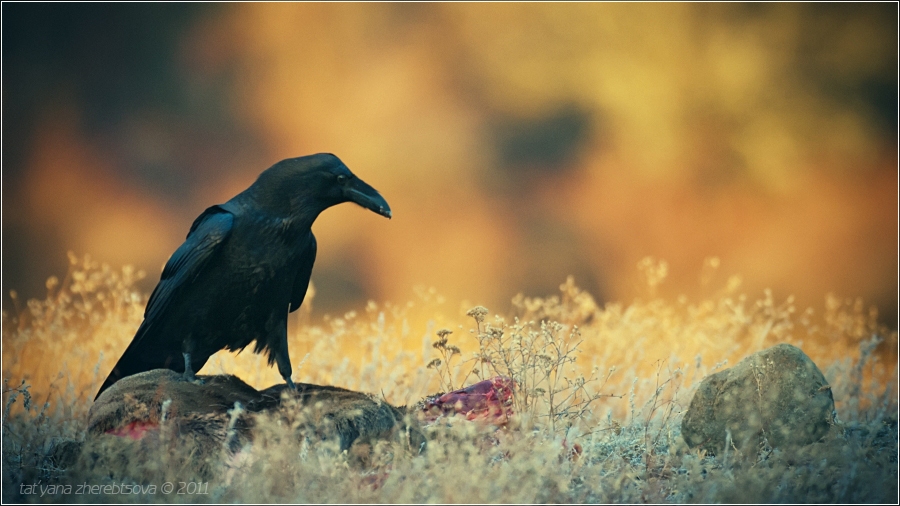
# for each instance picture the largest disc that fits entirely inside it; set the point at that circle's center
(298, 212)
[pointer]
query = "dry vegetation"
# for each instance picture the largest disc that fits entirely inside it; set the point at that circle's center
(600, 396)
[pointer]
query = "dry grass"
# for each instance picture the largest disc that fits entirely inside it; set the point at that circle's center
(612, 380)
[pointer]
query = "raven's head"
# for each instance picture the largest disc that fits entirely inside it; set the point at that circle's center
(310, 184)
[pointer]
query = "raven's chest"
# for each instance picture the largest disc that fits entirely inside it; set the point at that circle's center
(263, 257)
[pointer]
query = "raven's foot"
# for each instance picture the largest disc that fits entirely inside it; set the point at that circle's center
(192, 378)
(188, 372)
(189, 376)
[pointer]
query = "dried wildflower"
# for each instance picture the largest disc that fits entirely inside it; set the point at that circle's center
(562, 405)
(653, 271)
(478, 312)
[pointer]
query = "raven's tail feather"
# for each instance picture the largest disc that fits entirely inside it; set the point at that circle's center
(139, 357)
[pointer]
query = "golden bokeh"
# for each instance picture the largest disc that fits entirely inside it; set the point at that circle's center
(516, 143)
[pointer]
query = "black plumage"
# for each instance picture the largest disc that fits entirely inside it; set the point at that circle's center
(244, 266)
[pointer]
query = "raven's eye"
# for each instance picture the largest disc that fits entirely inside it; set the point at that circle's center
(341, 179)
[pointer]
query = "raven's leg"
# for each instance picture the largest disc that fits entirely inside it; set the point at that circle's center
(282, 358)
(188, 372)
(284, 367)
(187, 350)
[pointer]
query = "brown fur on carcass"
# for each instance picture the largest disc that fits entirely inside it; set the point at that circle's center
(220, 413)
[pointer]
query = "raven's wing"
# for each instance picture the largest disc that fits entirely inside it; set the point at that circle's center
(207, 234)
(301, 282)
(204, 240)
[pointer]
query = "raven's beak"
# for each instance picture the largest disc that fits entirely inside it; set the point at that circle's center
(358, 191)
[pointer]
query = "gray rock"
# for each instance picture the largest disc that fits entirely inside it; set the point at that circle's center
(777, 397)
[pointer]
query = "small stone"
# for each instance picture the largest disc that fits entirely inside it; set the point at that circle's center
(777, 397)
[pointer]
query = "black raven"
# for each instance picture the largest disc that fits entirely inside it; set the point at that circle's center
(244, 266)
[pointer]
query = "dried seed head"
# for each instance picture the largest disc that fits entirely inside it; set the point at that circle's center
(478, 312)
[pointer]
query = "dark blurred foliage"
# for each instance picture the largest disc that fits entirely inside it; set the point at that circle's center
(114, 61)
(875, 94)
(548, 143)
(120, 66)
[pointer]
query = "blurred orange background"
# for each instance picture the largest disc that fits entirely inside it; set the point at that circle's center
(516, 143)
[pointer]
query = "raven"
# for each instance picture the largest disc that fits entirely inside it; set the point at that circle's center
(244, 266)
